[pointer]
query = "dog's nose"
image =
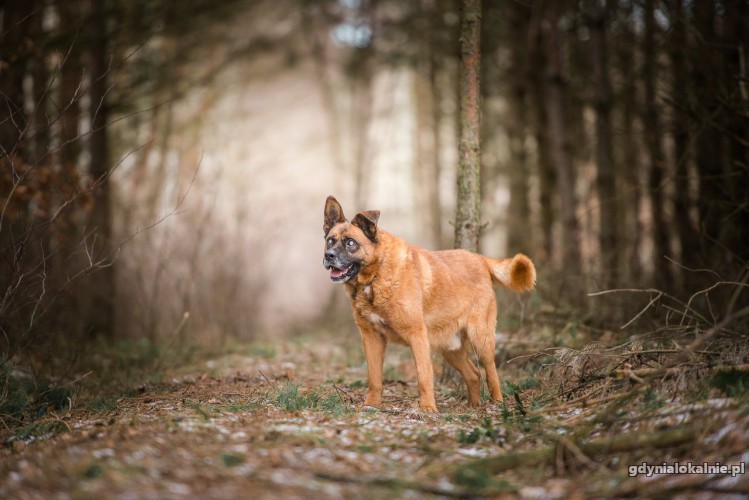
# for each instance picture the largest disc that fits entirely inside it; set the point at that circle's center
(329, 255)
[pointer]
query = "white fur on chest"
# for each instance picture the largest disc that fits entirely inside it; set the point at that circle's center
(376, 319)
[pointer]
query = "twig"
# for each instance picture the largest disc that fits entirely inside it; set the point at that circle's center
(653, 301)
(717, 328)
(275, 387)
(581, 401)
(340, 393)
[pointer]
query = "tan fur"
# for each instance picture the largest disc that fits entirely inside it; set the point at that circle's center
(440, 300)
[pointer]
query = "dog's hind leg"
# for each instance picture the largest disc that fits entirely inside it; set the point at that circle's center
(486, 357)
(460, 359)
(482, 339)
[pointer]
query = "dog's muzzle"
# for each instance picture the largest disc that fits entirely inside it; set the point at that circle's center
(340, 269)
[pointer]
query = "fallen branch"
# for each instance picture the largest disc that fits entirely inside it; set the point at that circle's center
(652, 372)
(467, 472)
(402, 484)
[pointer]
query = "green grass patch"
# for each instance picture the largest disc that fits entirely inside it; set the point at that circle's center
(93, 471)
(358, 384)
(202, 412)
(13, 397)
(486, 430)
(103, 404)
(291, 398)
(243, 407)
(733, 383)
(232, 459)
(483, 481)
(38, 430)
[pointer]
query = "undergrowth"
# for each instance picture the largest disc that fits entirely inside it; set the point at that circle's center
(290, 397)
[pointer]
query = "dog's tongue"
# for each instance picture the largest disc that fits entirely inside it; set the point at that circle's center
(337, 273)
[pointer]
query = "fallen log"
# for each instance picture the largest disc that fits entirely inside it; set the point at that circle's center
(469, 472)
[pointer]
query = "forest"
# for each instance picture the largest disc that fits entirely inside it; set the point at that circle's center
(167, 328)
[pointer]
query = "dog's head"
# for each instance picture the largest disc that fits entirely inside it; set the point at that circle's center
(349, 246)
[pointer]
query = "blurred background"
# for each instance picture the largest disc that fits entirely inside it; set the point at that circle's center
(164, 164)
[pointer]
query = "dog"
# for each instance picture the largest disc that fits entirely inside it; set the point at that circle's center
(441, 300)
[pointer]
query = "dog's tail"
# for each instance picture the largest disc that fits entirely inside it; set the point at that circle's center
(518, 273)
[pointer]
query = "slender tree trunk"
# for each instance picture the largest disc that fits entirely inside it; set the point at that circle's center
(17, 23)
(547, 175)
(685, 228)
(562, 158)
(435, 200)
(101, 312)
(519, 238)
(425, 174)
(41, 134)
(468, 217)
(605, 167)
(631, 227)
(657, 160)
(735, 35)
(709, 155)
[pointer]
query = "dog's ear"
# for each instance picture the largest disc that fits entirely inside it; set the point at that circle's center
(367, 222)
(333, 214)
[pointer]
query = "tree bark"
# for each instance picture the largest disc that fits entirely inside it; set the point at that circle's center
(547, 176)
(519, 238)
(709, 155)
(605, 167)
(657, 160)
(17, 24)
(686, 230)
(562, 158)
(631, 226)
(468, 217)
(101, 306)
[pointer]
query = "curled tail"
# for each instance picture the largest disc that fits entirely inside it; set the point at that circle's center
(518, 273)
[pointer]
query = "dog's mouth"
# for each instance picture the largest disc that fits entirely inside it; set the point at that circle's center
(342, 275)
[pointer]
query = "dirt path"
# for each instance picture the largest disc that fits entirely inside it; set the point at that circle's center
(292, 426)
(243, 426)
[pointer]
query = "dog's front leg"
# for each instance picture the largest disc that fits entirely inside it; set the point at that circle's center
(424, 373)
(374, 350)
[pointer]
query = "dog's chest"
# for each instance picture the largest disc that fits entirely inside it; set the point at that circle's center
(373, 307)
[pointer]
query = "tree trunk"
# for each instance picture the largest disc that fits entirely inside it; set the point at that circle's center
(735, 35)
(435, 200)
(101, 307)
(657, 160)
(605, 168)
(562, 158)
(468, 217)
(685, 228)
(631, 227)
(519, 238)
(714, 186)
(17, 22)
(547, 176)
(426, 134)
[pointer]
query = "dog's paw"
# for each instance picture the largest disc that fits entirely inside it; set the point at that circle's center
(428, 407)
(372, 401)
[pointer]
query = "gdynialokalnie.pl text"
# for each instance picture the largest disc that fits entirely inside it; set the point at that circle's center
(648, 470)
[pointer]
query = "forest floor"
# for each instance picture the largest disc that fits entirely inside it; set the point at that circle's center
(286, 420)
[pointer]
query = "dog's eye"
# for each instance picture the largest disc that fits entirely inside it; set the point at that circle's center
(351, 244)
(330, 241)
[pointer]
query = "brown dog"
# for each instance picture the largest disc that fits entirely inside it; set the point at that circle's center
(421, 299)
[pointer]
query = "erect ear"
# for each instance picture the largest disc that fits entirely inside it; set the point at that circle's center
(333, 214)
(367, 222)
